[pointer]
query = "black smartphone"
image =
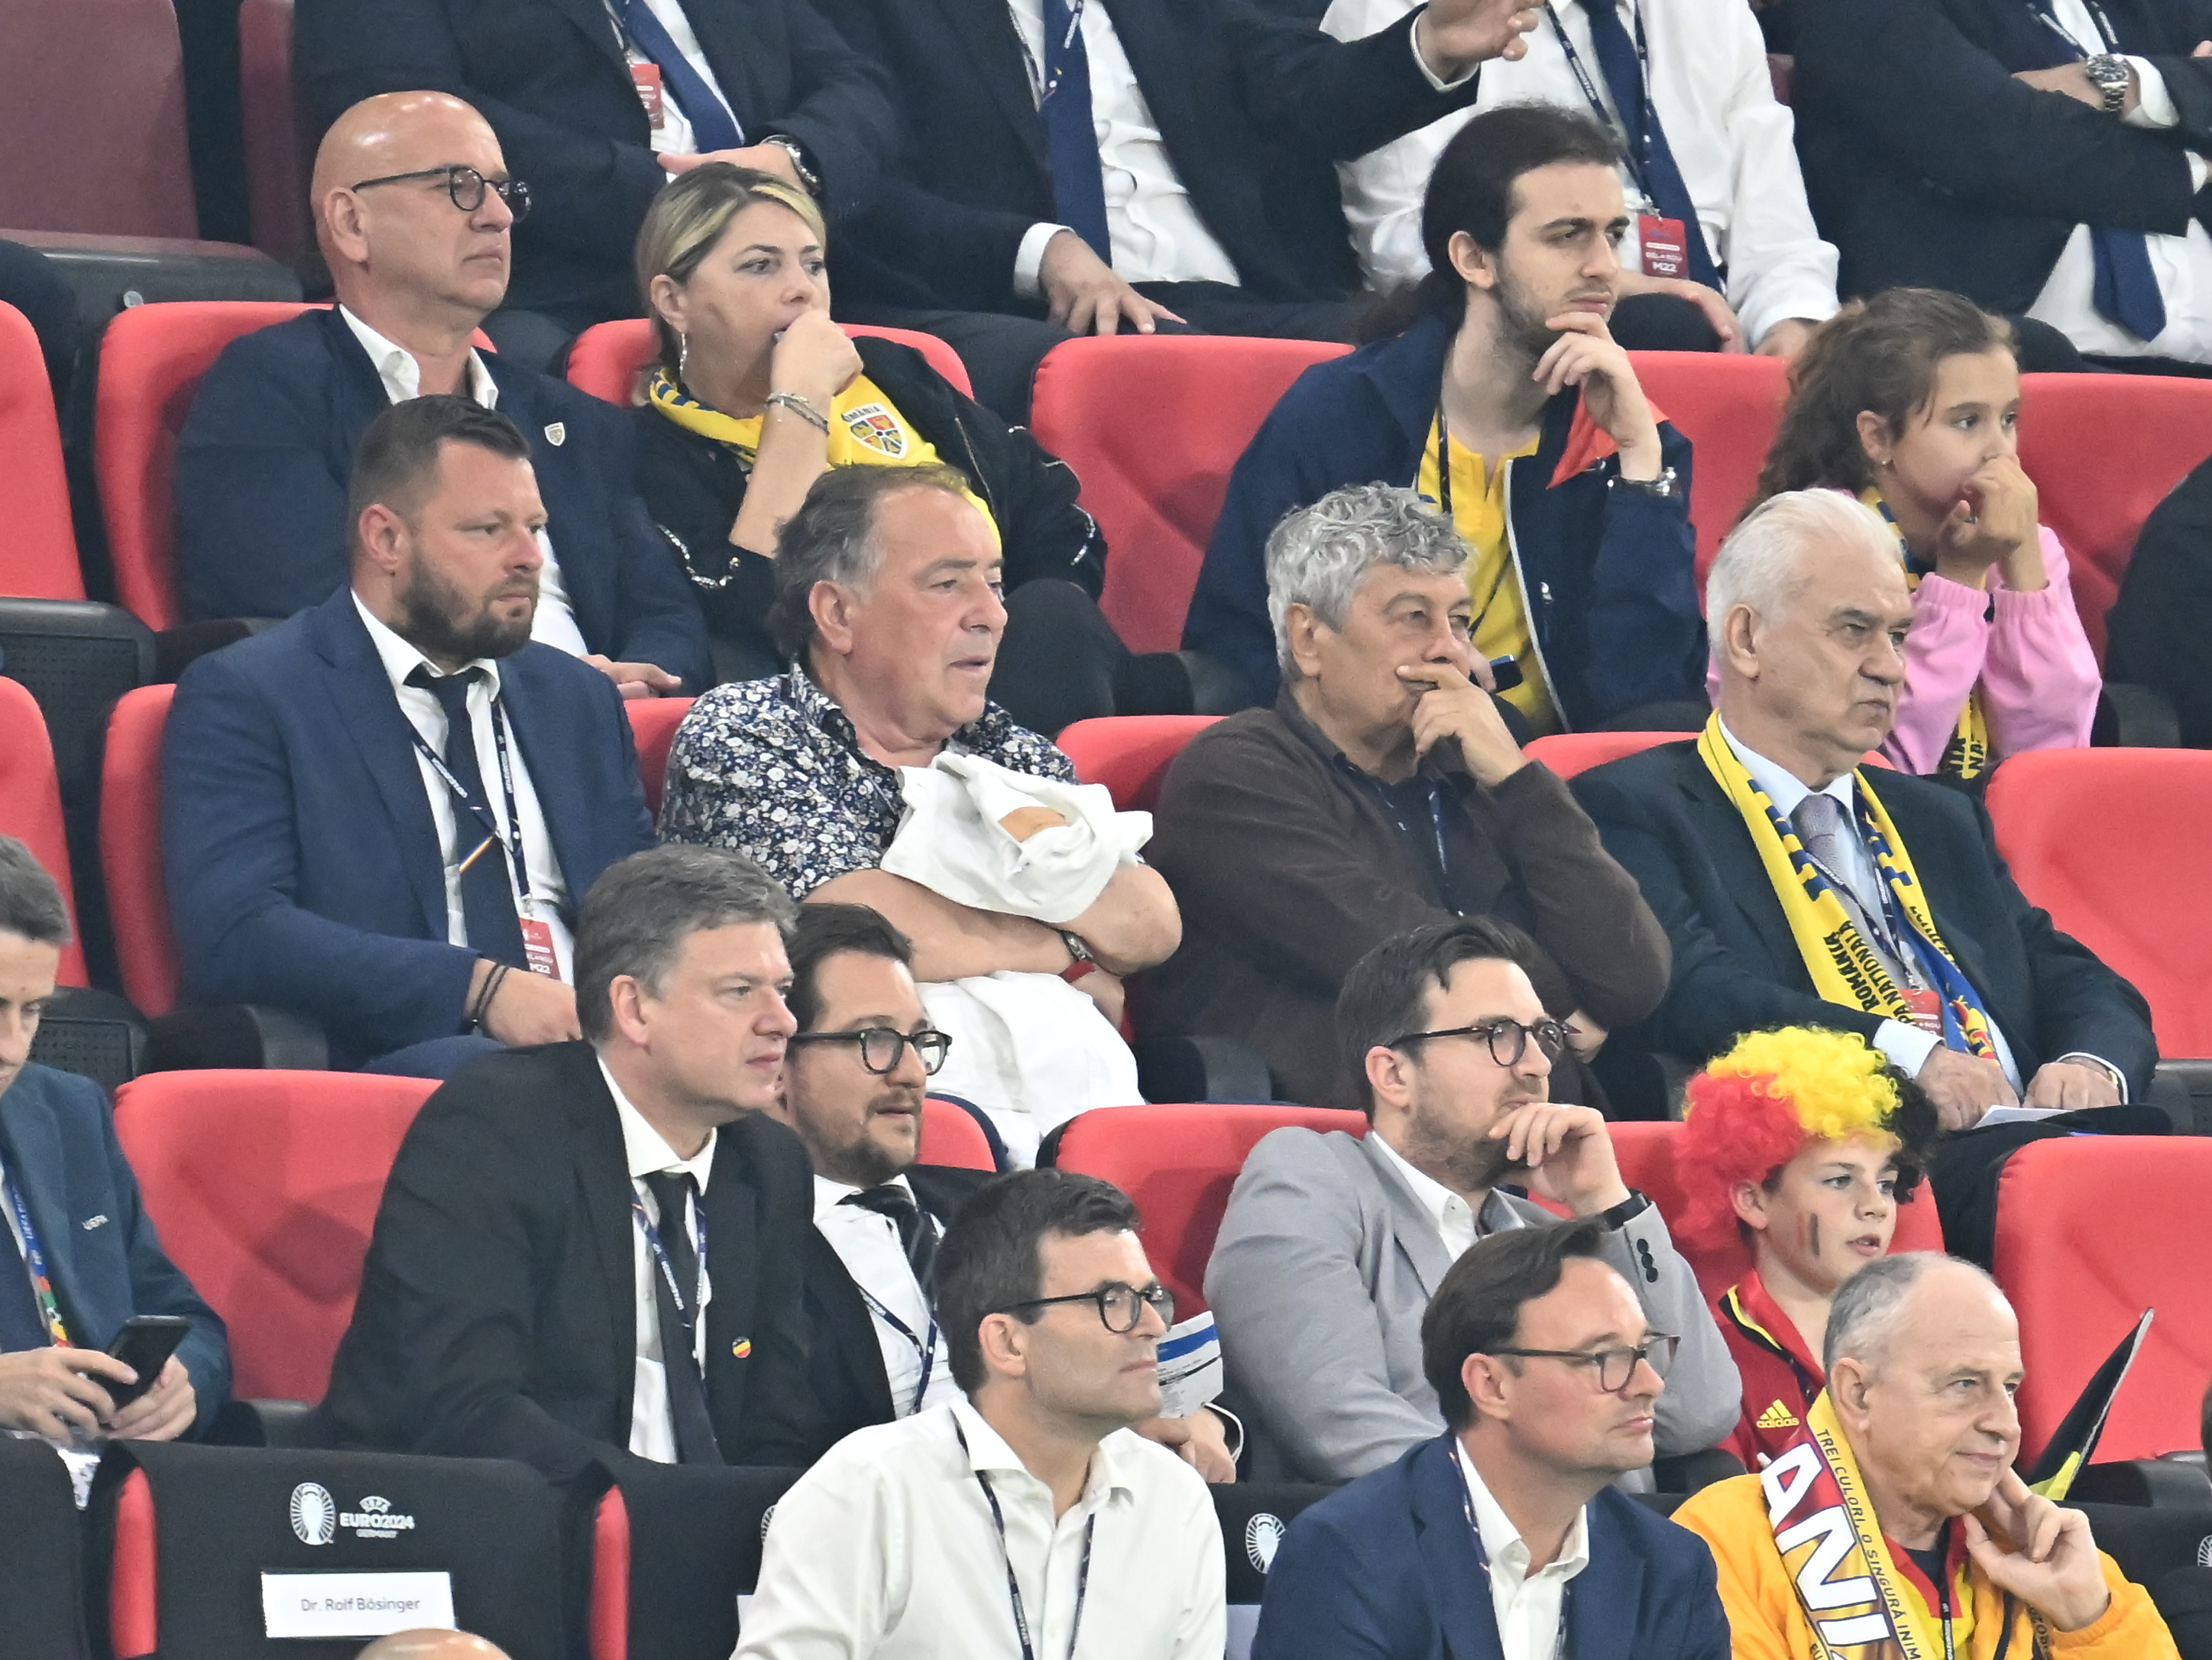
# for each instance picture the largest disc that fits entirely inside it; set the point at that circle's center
(1508, 673)
(144, 1344)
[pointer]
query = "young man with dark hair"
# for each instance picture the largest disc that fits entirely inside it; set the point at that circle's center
(78, 1256)
(1001, 1523)
(1547, 1371)
(1333, 1244)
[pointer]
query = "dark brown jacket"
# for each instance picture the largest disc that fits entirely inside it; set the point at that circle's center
(1288, 872)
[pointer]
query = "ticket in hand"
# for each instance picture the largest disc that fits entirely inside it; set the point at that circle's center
(1190, 1366)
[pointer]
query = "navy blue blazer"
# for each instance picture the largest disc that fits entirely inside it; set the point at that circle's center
(57, 1136)
(1385, 1569)
(266, 453)
(303, 861)
(1613, 572)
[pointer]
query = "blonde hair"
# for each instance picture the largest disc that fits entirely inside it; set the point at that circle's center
(689, 217)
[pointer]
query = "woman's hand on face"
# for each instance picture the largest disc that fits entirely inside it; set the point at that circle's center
(814, 358)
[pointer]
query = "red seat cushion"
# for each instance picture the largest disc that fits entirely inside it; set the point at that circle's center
(652, 724)
(1130, 754)
(131, 849)
(38, 548)
(1728, 405)
(608, 359)
(31, 805)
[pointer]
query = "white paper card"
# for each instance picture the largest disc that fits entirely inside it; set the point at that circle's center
(1190, 1366)
(355, 1604)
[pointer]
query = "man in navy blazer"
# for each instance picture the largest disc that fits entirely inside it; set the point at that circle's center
(263, 458)
(1503, 1539)
(332, 846)
(79, 1205)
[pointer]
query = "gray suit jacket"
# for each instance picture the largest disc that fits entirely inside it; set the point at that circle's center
(1323, 1267)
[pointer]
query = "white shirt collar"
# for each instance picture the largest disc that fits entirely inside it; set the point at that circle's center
(987, 1451)
(402, 376)
(829, 1195)
(1444, 1206)
(1502, 1540)
(645, 1147)
(401, 659)
(1785, 788)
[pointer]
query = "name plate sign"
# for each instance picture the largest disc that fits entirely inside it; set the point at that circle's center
(355, 1604)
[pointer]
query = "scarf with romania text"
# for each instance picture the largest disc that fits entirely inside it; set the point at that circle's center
(1844, 967)
(1967, 754)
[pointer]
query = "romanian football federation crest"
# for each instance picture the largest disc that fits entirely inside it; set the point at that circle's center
(873, 425)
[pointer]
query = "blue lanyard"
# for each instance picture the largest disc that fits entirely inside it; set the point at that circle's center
(687, 1312)
(42, 1284)
(481, 811)
(1482, 1556)
(1636, 151)
(924, 1347)
(1014, 1585)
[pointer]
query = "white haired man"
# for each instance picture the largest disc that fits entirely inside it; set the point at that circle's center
(1798, 892)
(1381, 792)
(1900, 1487)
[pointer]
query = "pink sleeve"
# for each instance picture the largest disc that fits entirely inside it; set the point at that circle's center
(2040, 679)
(1943, 658)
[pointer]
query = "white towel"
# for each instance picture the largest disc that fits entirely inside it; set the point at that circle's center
(1029, 1049)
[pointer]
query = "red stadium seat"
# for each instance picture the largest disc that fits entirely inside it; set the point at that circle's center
(2110, 842)
(277, 164)
(1728, 405)
(31, 805)
(2104, 450)
(951, 1136)
(608, 360)
(273, 1241)
(151, 360)
(1130, 754)
(1567, 753)
(38, 545)
(1152, 425)
(130, 850)
(2091, 1231)
(653, 723)
(1178, 1163)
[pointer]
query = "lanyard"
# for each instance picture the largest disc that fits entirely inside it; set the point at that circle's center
(1482, 1556)
(687, 1312)
(925, 1348)
(41, 1283)
(2050, 20)
(1038, 84)
(1389, 804)
(1014, 1585)
(1636, 129)
(1444, 506)
(482, 812)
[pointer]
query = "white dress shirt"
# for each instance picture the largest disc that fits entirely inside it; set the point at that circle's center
(2182, 263)
(1454, 1219)
(652, 1427)
(1715, 100)
(554, 623)
(1528, 1605)
(548, 889)
(673, 135)
(867, 1243)
(885, 1550)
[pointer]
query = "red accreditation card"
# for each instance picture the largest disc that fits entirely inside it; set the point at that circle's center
(1927, 1008)
(1666, 249)
(646, 77)
(538, 947)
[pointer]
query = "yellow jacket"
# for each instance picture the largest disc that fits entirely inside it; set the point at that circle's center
(1767, 1622)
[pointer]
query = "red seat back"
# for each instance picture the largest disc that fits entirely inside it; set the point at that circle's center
(1178, 1163)
(38, 544)
(2110, 842)
(1728, 405)
(31, 805)
(653, 723)
(1567, 753)
(1152, 425)
(265, 1186)
(2091, 1231)
(1130, 754)
(2104, 450)
(608, 360)
(151, 360)
(951, 1136)
(276, 166)
(131, 849)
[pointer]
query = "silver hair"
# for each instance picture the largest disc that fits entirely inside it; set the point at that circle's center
(1868, 1306)
(1759, 565)
(1317, 556)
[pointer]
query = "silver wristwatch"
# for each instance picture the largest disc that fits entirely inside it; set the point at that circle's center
(1661, 487)
(792, 148)
(2110, 76)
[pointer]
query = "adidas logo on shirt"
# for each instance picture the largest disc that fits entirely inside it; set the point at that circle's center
(1777, 1417)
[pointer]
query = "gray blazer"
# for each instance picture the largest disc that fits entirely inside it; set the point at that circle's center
(1323, 1267)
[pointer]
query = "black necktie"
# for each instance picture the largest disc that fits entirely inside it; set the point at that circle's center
(917, 1236)
(487, 890)
(687, 1392)
(1619, 60)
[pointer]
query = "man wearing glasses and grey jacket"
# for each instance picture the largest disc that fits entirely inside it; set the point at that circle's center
(1333, 1246)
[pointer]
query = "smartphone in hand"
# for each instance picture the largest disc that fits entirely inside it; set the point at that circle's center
(144, 1344)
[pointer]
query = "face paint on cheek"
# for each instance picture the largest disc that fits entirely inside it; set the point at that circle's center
(1813, 1238)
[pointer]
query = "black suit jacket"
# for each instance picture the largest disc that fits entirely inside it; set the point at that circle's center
(549, 76)
(1737, 970)
(266, 455)
(497, 1315)
(851, 1389)
(1927, 163)
(1252, 109)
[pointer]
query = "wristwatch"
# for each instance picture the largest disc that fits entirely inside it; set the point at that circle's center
(2111, 77)
(812, 180)
(1621, 1215)
(1081, 961)
(1661, 487)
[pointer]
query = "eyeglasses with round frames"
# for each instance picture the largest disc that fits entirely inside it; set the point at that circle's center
(1508, 1039)
(1613, 1367)
(465, 186)
(881, 1048)
(1120, 1306)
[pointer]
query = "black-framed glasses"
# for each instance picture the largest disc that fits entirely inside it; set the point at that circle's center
(1508, 1039)
(1120, 1306)
(465, 186)
(881, 1048)
(1612, 1367)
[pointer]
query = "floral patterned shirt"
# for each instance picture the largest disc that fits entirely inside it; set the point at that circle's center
(773, 769)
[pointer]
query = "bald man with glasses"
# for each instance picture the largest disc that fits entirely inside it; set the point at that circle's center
(1333, 1246)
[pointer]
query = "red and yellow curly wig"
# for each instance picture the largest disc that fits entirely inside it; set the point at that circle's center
(1754, 1109)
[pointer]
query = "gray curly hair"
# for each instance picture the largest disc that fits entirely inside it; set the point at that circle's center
(1317, 556)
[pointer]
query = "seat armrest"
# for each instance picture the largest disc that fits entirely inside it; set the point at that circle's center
(2182, 1089)
(2131, 716)
(266, 1423)
(1688, 1472)
(94, 1033)
(236, 1035)
(2173, 1482)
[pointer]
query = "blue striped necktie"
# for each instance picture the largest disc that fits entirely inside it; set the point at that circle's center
(1654, 168)
(712, 126)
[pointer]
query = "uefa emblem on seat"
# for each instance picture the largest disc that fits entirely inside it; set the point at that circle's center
(315, 1513)
(1263, 1536)
(2205, 1552)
